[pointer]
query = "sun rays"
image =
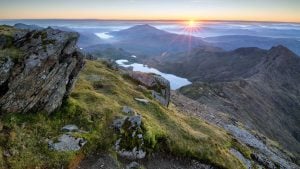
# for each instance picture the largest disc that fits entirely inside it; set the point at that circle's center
(191, 27)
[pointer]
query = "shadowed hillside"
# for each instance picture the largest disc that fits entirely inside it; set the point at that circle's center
(258, 87)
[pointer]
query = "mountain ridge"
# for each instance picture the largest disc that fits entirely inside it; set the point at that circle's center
(259, 87)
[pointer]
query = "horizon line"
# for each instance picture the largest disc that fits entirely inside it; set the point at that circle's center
(165, 20)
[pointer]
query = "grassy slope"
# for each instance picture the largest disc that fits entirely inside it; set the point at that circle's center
(9, 50)
(92, 106)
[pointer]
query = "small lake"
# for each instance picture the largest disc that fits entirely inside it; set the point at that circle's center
(104, 35)
(175, 81)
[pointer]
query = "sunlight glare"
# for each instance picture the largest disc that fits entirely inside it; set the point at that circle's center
(191, 23)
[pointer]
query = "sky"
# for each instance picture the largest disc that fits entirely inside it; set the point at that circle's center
(254, 10)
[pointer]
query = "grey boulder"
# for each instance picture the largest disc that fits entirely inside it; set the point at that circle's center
(44, 74)
(67, 143)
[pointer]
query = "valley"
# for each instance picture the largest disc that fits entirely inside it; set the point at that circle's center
(145, 97)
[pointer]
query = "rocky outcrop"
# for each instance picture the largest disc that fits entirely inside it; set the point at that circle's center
(159, 86)
(37, 69)
(130, 142)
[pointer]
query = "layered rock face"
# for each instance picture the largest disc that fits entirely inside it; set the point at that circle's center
(37, 69)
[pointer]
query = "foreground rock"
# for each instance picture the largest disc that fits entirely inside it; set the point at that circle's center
(38, 69)
(160, 86)
(128, 110)
(67, 142)
(70, 128)
(130, 142)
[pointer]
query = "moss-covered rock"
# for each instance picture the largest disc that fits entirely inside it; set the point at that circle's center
(130, 141)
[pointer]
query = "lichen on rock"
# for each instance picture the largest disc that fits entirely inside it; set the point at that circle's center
(44, 73)
(130, 142)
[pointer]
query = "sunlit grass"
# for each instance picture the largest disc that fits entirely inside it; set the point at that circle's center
(93, 106)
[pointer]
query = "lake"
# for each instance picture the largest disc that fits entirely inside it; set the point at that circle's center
(175, 81)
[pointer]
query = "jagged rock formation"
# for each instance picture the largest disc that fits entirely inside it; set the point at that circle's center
(37, 69)
(160, 86)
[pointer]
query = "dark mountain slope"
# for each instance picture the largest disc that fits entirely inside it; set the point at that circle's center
(211, 65)
(148, 40)
(257, 87)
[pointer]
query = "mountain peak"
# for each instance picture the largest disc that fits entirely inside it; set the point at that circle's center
(144, 26)
(144, 29)
(282, 51)
(280, 48)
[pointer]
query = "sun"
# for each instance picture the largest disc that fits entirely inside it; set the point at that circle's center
(191, 27)
(191, 23)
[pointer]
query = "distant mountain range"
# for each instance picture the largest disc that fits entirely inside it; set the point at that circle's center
(150, 41)
(260, 88)
(231, 42)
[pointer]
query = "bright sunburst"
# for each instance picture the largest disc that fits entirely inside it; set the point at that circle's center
(191, 23)
(191, 26)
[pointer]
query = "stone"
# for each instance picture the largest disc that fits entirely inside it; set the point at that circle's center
(117, 144)
(135, 121)
(5, 69)
(142, 87)
(261, 159)
(157, 96)
(133, 154)
(67, 142)
(70, 128)
(133, 165)
(140, 136)
(118, 123)
(130, 133)
(6, 153)
(240, 156)
(45, 74)
(264, 155)
(159, 85)
(127, 110)
(144, 101)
